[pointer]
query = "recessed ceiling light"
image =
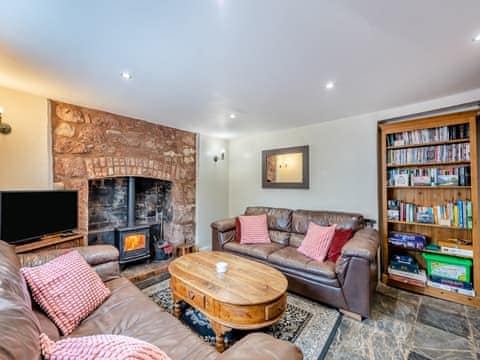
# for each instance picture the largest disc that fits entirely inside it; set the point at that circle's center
(126, 75)
(233, 116)
(329, 85)
(476, 38)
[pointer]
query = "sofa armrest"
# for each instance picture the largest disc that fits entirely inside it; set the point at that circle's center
(223, 231)
(224, 225)
(262, 347)
(103, 259)
(364, 244)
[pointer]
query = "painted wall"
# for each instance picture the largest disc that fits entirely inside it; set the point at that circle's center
(343, 162)
(25, 152)
(212, 187)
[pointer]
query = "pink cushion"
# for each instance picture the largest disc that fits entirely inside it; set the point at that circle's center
(254, 229)
(96, 347)
(317, 241)
(67, 289)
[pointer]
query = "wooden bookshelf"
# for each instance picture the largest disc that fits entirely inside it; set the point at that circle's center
(430, 196)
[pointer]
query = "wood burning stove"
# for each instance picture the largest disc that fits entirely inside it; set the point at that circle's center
(133, 241)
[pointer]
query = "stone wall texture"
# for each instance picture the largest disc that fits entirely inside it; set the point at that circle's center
(91, 144)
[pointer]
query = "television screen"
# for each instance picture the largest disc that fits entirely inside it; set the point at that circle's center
(28, 215)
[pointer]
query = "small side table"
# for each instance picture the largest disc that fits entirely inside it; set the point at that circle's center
(184, 249)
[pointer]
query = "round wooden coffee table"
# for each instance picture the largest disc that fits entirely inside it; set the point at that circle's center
(249, 296)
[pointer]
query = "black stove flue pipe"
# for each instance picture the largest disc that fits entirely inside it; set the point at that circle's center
(131, 202)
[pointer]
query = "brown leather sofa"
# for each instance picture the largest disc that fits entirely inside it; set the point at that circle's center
(347, 284)
(127, 311)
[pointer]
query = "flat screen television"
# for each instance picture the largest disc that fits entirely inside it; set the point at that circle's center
(26, 216)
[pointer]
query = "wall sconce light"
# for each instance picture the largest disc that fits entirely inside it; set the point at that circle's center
(219, 157)
(4, 128)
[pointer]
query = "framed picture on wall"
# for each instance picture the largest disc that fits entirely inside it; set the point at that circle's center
(286, 168)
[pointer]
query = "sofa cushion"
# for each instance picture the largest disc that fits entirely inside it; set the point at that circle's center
(254, 229)
(296, 239)
(339, 239)
(120, 315)
(317, 241)
(259, 251)
(301, 219)
(104, 346)
(47, 326)
(290, 257)
(67, 289)
(279, 237)
(278, 219)
(20, 329)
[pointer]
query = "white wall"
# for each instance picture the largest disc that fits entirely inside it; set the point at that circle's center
(343, 162)
(212, 187)
(25, 152)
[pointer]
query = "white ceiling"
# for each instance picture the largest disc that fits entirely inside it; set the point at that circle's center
(196, 61)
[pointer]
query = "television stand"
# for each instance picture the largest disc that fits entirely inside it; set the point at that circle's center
(50, 242)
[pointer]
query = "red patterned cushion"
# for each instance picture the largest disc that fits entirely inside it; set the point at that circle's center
(67, 289)
(238, 230)
(317, 241)
(339, 239)
(254, 229)
(96, 347)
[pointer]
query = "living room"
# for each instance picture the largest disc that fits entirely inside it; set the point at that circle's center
(168, 125)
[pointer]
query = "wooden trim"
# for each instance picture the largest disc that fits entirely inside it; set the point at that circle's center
(50, 241)
(305, 184)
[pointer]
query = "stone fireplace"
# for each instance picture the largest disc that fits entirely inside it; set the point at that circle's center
(123, 211)
(96, 150)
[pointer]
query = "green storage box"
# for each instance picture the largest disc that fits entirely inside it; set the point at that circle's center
(448, 267)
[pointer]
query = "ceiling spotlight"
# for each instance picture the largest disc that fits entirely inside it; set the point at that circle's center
(126, 75)
(233, 116)
(476, 38)
(329, 85)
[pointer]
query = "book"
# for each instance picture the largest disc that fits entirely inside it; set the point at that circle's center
(421, 276)
(456, 251)
(407, 240)
(451, 288)
(453, 283)
(407, 280)
(447, 180)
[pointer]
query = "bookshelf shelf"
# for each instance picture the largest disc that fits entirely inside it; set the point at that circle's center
(400, 248)
(424, 198)
(429, 164)
(456, 141)
(430, 187)
(427, 225)
(431, 291)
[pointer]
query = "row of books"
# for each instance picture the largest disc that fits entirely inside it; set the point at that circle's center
(457, 213)
(454, 176)
(424, 136)
(421, 280)
(429, 154)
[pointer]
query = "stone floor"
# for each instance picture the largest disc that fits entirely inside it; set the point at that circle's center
(404, 325)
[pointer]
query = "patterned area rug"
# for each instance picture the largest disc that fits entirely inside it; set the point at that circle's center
(309, 325)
